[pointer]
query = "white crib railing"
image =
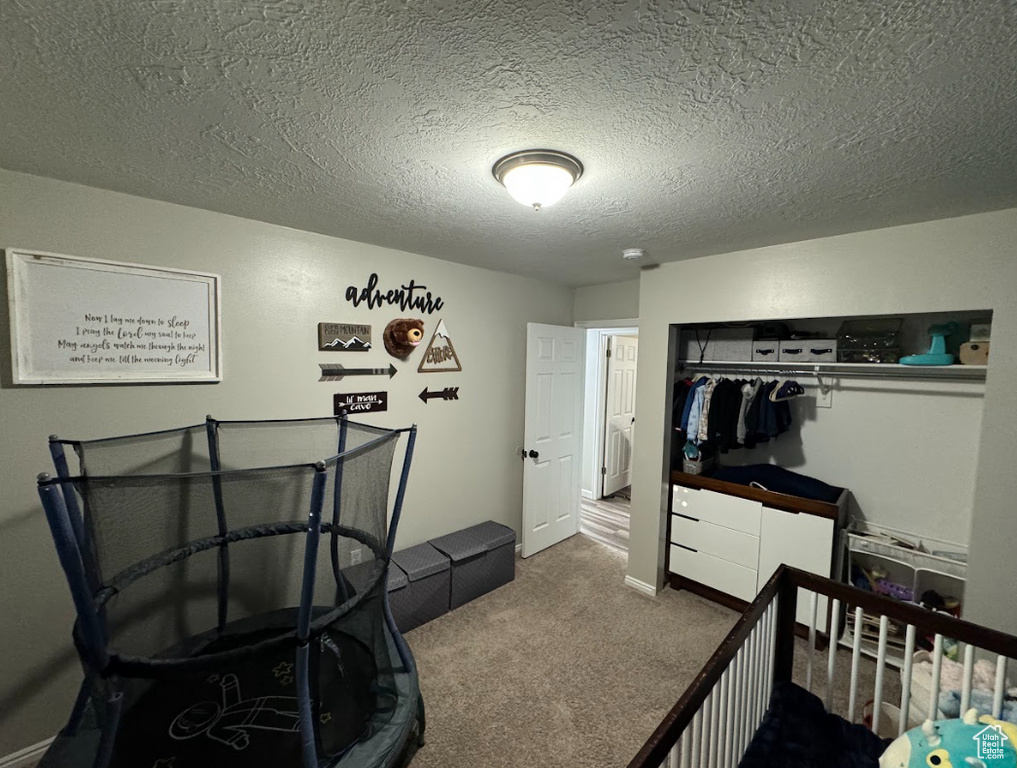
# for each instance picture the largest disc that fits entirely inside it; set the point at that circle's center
(714, 721)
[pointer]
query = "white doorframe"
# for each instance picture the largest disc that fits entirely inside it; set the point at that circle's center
(594, 460)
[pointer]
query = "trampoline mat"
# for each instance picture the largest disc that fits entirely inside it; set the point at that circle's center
(247, 714)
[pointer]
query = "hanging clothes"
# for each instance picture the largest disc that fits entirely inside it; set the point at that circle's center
(693, 409)
(724, 407)
(749, 390)
(703, 432)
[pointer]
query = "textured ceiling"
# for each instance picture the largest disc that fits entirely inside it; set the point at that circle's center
(704, 127)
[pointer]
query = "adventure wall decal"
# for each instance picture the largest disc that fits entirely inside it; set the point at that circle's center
(406, 297)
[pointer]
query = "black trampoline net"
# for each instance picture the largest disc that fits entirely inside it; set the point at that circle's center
(199, 575)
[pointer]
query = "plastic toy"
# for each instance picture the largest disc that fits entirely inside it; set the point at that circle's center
(969, 742)
(937, 354)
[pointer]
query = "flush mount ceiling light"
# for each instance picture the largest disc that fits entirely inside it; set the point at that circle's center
(538, 177)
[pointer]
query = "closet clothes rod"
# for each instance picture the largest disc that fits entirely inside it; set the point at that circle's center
(846, 370)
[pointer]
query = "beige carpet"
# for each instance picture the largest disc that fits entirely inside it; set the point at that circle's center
(567, 666)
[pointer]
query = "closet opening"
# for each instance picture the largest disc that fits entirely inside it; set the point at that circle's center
(876, 417)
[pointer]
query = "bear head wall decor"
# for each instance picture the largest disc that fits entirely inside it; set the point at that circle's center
(402, 336)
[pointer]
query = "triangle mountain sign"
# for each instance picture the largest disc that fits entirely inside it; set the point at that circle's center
(440, 355)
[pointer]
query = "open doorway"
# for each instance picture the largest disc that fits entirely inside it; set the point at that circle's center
(612, 354)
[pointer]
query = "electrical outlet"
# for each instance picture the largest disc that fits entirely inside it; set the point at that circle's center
(356, 555)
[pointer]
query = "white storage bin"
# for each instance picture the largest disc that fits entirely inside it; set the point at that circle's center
(808, 351)
(765, 351)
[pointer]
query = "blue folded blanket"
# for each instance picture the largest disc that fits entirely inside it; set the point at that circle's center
(780, 480)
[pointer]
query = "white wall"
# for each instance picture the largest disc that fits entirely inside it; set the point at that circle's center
(891, 443)
(612, 301)
(278, 284)
(953, 264)
(593, 409)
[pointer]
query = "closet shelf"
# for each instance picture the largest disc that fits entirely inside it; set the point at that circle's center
(856, 370)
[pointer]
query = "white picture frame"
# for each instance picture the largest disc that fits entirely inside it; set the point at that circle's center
(76, 320)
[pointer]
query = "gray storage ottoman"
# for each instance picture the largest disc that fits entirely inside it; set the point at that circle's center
(425, 596)
(483, 558)
(397, 588)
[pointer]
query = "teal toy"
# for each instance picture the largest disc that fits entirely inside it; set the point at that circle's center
(937, 354)
(967, 742)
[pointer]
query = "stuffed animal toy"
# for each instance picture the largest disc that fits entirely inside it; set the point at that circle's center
(402, 336)
(968, 742)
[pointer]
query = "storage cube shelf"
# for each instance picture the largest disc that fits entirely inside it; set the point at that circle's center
(943, 569)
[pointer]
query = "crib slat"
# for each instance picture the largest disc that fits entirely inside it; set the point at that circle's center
(722, 717)
(1000, 688)
(757, 666)
(969, 669)
(754, 667)
(813, 614)
(831, 663)
(937, 668)
(715, 702)
(674, 756)
(738, 700)
(760, 672)
(856, 652)
(697, 734)
(743, 698)
(730, 720)
(877, 697)
(770, 655)
(905, 679)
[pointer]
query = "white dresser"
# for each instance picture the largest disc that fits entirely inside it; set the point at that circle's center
(730, 538)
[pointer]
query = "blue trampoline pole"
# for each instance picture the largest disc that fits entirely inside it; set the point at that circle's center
(56, 450)
(307, 730)
(223, 562)
(340, 582)
(404, 652)
(401, 492)
(92, 635)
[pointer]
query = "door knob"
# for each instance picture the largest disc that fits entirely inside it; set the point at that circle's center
(533, 455)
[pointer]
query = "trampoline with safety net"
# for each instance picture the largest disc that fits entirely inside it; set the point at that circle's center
(229, 583)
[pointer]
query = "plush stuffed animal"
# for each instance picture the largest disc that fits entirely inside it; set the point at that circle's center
(968, 742)
(402, 336)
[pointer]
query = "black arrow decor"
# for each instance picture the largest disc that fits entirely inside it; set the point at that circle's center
(336, 371)
(449, 393)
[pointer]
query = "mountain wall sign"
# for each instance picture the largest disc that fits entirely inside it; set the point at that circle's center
(344, 337)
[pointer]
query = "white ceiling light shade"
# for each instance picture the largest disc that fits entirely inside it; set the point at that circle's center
(538, 177)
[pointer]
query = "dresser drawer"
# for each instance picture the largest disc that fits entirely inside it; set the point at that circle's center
(733, 546)
(727, 577)
(718, 508)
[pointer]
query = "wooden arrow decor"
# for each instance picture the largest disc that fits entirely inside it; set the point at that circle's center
(449, 393)
(336, 371)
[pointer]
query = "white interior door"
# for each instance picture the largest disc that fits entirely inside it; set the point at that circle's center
(620, 429)
(552, 471)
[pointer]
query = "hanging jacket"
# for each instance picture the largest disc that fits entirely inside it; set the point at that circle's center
(690, 398)
(749, 391)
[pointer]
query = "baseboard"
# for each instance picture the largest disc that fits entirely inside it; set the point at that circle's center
(519, 549)
(641, 586)
(586, 494)
(27, 756)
